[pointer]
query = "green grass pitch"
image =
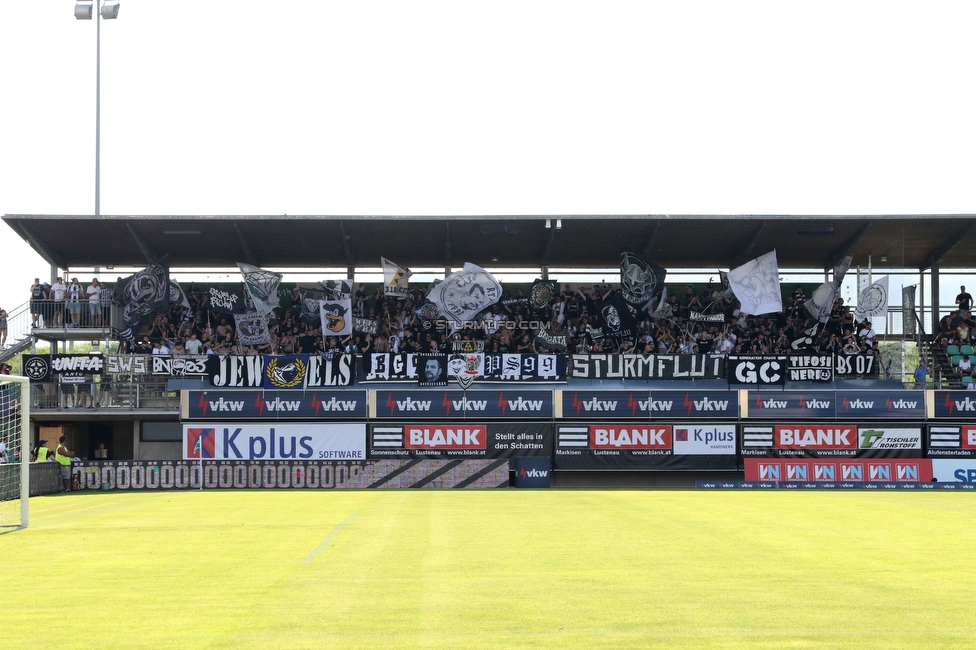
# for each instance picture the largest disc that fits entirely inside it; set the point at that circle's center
(492, 569)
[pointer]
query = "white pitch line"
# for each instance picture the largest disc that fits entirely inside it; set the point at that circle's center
(328, 538)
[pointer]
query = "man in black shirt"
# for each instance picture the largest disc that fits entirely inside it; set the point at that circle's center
(964, 300)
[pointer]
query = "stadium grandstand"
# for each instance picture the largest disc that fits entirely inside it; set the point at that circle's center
(643, 370)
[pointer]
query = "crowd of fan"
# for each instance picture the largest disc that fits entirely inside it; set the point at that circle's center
(955, 337)
(511, 325)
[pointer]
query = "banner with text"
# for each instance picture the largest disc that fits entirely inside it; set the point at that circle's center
(597, 404)
(646, 366)
(644, 446)
(273, 404)
(830, 439)
(223, 441)
(514, 403)
(297, 371)
(459, 440)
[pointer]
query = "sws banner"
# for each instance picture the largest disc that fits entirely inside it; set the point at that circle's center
(756, 369)
(646, 366)
(839, 471)
(515, 403)
(459, 440)
(599, 404)
(239, 441)
(226, 474)
(297, 371)
(644, 446)
(273, 404)
(830, 440)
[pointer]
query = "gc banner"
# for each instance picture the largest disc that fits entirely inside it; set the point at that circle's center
(315, 475)
(756, 369)
(275, 441)
(459, 440)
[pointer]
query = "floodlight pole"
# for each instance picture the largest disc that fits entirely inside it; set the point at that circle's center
(98, 104)
(97, 9)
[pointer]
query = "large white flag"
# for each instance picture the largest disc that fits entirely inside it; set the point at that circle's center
(756, 285)
(395, 278)
(336, 317)
(262, 287)
(873, 300)
(822, 301)
(464, 294)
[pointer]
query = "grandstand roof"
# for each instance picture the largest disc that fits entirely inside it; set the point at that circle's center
(529, 241)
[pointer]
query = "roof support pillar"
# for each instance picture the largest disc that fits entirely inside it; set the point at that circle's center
(935, 299)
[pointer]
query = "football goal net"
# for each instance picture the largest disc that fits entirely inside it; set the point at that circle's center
(14, 451)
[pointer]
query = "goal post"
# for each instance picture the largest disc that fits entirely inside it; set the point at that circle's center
(15, 453)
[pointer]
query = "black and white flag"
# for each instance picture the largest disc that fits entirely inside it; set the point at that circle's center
(872, 301)
(395, 279)
(542, 293)
(252, 328)
(464, 294)
(310, 306)
(640, 280)
(143, 293)
(336, 289)
(756, 285)
(225, 302)
(552, 340)
(262, 287)
(336, 317)
(822, 301)
(178, 297)
(617, 318)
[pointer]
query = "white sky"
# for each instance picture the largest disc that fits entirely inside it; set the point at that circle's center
(375, 107)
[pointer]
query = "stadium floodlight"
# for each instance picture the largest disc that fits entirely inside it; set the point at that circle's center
(15, 451)
(110, 11)
(83, 11)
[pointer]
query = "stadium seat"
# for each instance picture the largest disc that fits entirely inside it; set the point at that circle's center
(952, 350)
(966, 380)
(956, 358)
(967, 349)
